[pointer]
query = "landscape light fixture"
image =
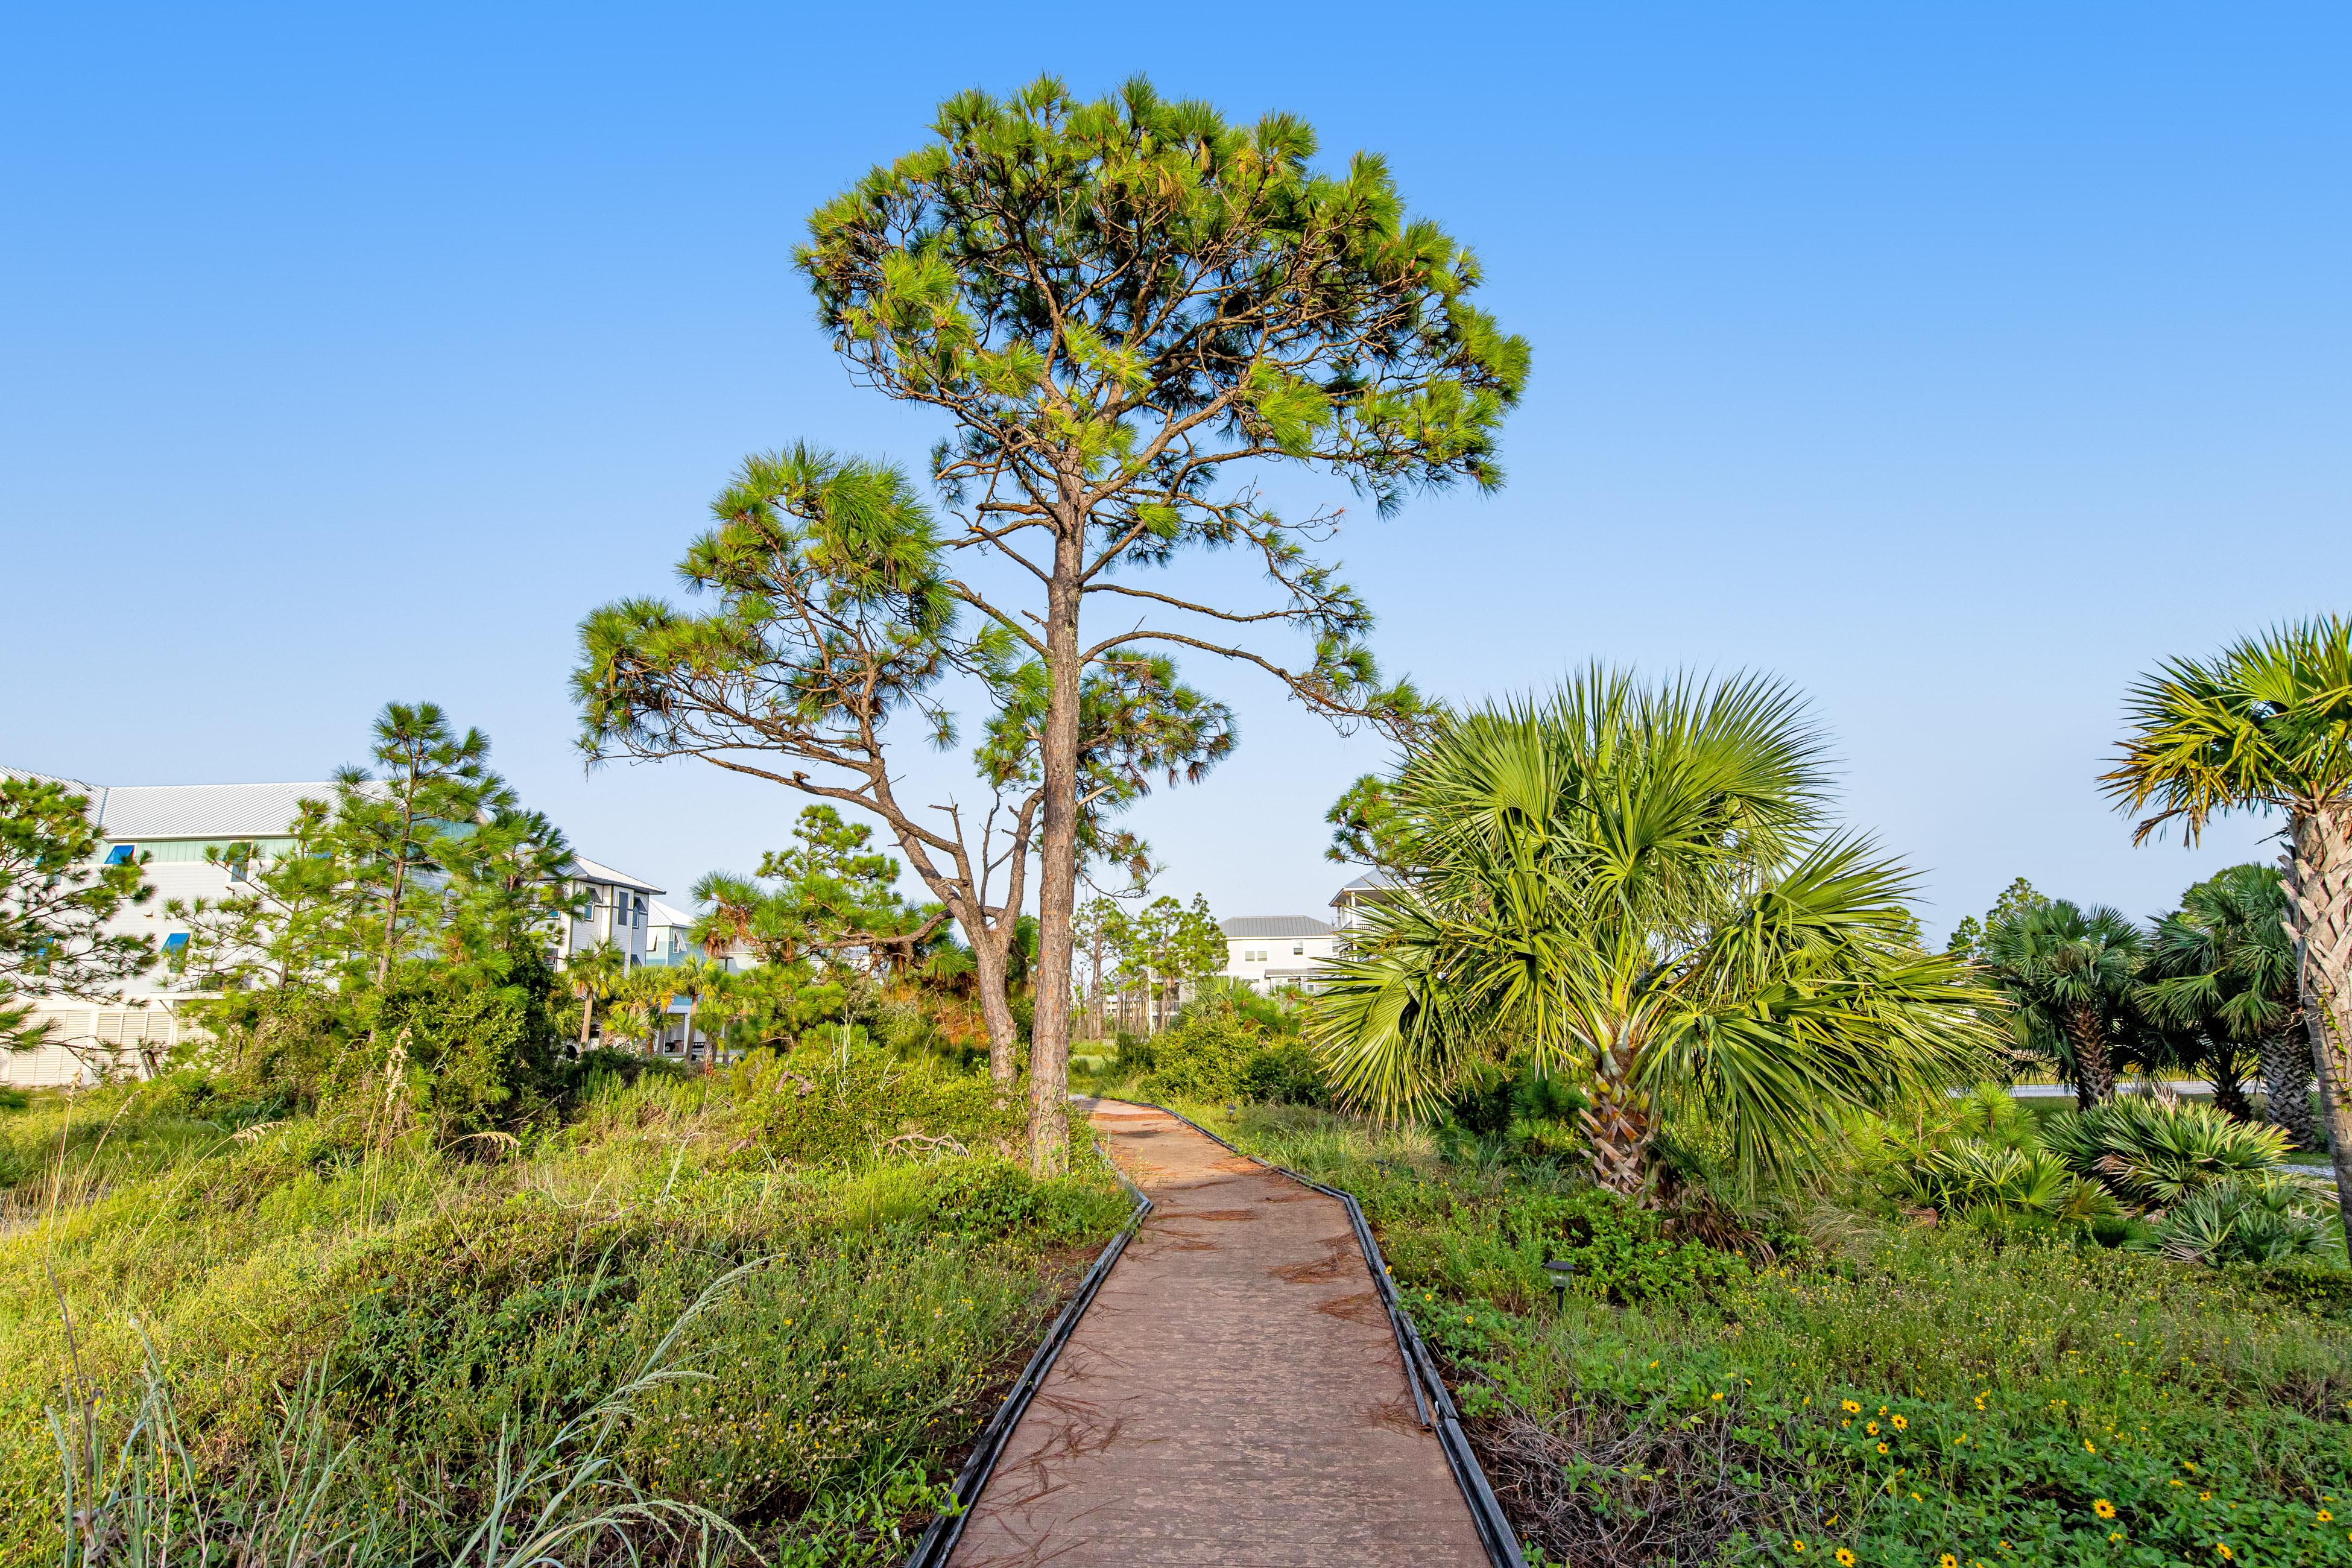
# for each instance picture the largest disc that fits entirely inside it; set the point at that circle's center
(1560, 1270)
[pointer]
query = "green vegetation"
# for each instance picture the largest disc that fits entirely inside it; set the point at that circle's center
(1815, 1374)
(802, 1282)
(1107, 303)
(56, 899)
(2265, 726)
(1636, 886)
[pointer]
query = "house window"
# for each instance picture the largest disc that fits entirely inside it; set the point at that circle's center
(176, 943)
(1298, 950)
(122, 854)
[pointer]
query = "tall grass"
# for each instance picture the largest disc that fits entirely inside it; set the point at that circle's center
(450, 1336)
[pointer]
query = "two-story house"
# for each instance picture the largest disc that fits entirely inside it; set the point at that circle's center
(171, 827)
(1269, 951)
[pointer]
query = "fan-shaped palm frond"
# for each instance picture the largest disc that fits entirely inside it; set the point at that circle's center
(1632, 884)
(2266, 725)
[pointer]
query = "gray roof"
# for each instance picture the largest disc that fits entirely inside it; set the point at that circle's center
(1251, 927)
(670, 914)
(201, 811)
(588, 871)
(1370, 882)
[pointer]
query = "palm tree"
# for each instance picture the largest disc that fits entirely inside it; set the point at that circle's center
(2266, 726)
(1634, 886)
(644, 996)
(591, 976)
(718, 1001)
(2071, 975)
(2223, 966)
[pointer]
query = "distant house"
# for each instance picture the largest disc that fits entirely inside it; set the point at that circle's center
(173, 826)
(1350, 902)
(1269, 951)
(668, 938)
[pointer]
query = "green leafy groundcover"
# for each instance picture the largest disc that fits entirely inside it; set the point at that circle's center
(452, 1299)
(1866, 1393)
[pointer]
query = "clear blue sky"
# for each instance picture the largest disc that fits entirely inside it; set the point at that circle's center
(1955, 362)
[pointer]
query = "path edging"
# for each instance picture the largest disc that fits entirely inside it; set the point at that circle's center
(938, 1542)
(1495, 1533)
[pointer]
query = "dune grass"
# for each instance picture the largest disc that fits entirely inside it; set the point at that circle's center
(446, 1312)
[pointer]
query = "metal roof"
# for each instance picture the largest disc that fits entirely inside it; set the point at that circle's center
(1252, 927)
(1370, 882)
(129, 813)
(134, 812)
(670, 914)
(588, 871)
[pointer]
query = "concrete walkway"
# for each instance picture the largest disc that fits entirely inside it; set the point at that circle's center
(1234, 1395)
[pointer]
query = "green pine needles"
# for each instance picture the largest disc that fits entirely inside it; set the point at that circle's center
(1125, 308)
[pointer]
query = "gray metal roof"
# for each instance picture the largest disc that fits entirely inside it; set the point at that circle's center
(1370, 882)
(588, 871)
(1252, 927)
(201, 811)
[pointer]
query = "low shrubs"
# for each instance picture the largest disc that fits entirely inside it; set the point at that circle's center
(1224, 1052)
(1852, 1384)
(2153, 1150)
(2151, 1173)
(2267, 1217)
(855, 1102)
(433, 1314)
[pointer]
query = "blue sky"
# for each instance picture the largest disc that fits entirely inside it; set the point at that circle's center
(1953, 362)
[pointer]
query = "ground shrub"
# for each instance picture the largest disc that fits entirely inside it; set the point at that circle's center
(1223, 1053)
(859, 1102)
(861, 1303)
(2155, 1151)
(1696, 1411)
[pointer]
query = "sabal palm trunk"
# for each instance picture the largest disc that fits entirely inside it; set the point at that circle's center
(2319, 898)
(1618, 1125)
(587, 1015)
(2094, 1074)
(2229, 1088)
(2286, 1086)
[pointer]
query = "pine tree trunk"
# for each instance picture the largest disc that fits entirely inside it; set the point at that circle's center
(1057, 852)
(2319, 895)
(2286, 1086)
(996, 1008)
(2095, 1076)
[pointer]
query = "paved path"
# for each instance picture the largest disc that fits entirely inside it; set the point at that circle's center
(1233, 1398)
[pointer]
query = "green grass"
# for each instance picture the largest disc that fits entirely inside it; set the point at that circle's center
(1687, 1404)
(450, 1304)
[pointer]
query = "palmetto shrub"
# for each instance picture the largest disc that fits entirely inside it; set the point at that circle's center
(2153, 1151)
(1971, 1175)
(2262, 1218)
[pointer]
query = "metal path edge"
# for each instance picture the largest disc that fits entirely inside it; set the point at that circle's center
(938, 1542)
(1495, 1533)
